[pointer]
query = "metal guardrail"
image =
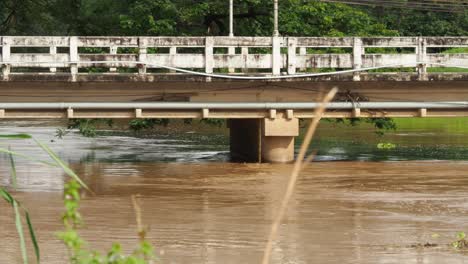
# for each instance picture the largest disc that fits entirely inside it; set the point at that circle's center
(274, 55)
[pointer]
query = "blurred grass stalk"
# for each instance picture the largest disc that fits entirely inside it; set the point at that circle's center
(17, 208)
(298, 166)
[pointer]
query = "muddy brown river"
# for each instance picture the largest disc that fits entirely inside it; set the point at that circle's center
(356, 204)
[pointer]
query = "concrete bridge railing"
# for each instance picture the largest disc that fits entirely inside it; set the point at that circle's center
(235, 55)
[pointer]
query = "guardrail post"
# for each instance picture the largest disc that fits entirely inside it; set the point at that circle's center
(276, 55)
(53, 52)
(421, 55)
(113, 51)
(74, 59)
(142, 52)
(6, 51)
(358, 51)
(292, 45)
(209, 59)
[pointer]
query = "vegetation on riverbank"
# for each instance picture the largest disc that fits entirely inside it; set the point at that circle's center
(210, 17)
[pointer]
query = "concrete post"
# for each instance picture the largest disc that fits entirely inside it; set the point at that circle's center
(74, 59)
(231, 51)
(245, 57)
(303, 51)
(275, 18)
(357, 57)
(172, 52)
(53, 52)
(231, 18)
(142, 52)
(263, 140)
(421, 55)
(278, 138)
(6, 51)
(292, 46)
(276, 56)
(113, 51)
(209, 59)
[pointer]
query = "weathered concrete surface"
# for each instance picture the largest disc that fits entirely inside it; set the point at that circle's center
(235, 91)
(207, 54)
(266, 140)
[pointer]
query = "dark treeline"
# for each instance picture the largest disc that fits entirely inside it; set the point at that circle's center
(210, 17)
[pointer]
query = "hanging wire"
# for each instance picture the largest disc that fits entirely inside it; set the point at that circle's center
(448, 6)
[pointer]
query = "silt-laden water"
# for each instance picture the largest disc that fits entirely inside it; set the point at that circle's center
(202, 209)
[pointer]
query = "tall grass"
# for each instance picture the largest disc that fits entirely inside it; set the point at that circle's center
(298, 166)
(78, 251)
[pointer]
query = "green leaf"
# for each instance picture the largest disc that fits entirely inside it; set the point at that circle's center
(19, 229)
(62, 164)
(6, 195)
(16, 136)
(33, 237)
(13, 170)
(461, 235)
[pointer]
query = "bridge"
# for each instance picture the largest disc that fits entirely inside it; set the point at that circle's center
(262, 85)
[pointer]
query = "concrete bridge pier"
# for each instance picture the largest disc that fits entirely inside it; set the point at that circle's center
(263, 140)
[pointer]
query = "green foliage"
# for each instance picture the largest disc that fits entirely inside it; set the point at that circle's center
(18, 209)
(210, 17)
(461, 242)
(88, 127)
(13, 169)
(138, 125)
(16, 136)
(386, 145)
(77, 246)
(381, 124)
(72, 220)
(213, 121)
(60, 133)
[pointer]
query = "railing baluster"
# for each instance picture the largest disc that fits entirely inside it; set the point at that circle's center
(53, 53)
(245, 58)
(209, 60)
(231, 51)
(276, 56)
(172, 52)
(113, 51)
(421, 57)
(303, 51)
(142, 52)
(74, 58)
(6, 51)
(358, 51)
(292, 45)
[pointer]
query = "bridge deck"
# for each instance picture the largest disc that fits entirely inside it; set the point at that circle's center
(107, 70)
(157, 58)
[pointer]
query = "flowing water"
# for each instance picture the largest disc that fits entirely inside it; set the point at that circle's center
(357, 204)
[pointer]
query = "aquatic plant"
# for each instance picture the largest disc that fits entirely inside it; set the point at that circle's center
(137, 125)
(79, 253)
(386, 145)
(88, 127)
(61, 132)
(213, 121)
(381, 124)
(461, 241)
